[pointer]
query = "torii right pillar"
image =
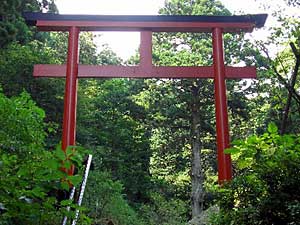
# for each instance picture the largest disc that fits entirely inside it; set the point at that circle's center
(224, 160)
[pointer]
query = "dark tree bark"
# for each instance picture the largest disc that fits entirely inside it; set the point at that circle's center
(197, 194)
(292, 84)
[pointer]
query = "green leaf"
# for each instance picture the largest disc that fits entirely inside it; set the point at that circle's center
(232, 151)
(272, 128)
(67, 164)
(23, 171)
(244, 163)
(38, 192)
(76, 179)
(52, 164)
(65, 185)
(69, 151)
(59, 153)
(77, 159)
(66, 202)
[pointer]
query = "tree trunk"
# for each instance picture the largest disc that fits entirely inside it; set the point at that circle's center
(292, 84)
(197, 194)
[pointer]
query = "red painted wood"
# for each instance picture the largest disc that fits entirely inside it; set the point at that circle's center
(93, 71)
(224, 161)
(70, 99)
(57, 25)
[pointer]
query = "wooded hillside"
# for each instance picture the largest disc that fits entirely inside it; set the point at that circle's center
(153, 141)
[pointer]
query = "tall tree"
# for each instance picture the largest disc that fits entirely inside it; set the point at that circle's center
(279, 68)
(12, 25)
(110, 122)
(182, 110)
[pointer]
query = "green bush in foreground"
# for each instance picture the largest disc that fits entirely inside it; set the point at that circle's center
(30, 176)
(266, 188)
(106, 202)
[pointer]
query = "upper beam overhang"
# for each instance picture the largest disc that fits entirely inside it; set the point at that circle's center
(58, 22)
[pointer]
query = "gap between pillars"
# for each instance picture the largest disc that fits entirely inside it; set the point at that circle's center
(146, 50)
(70, 98)
(224, 160)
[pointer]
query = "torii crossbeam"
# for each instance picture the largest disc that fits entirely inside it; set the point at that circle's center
(217, 25)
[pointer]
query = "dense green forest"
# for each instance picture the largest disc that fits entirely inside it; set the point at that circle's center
(152, 140)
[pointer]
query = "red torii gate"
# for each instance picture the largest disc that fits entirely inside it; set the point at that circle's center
(216, 25)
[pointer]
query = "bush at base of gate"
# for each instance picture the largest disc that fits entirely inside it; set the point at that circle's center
(30, 176)
(265, 189)
(29, 186)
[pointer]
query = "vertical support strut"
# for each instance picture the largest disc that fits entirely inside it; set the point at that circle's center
(224, 161)
(146, 49)
(70, 99)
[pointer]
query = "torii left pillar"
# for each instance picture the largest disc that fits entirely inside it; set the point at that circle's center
(70, 99)
(222, 128)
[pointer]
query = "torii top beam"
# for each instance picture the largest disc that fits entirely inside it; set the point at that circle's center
(144, 24)
(161, 23)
